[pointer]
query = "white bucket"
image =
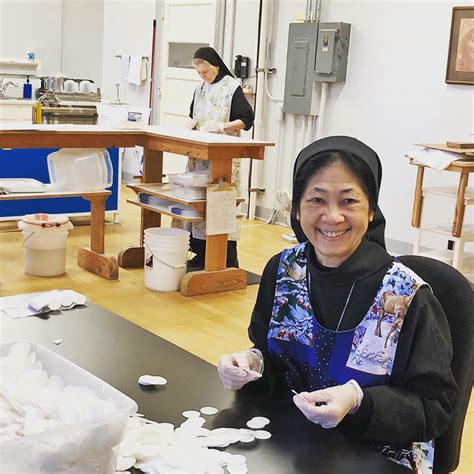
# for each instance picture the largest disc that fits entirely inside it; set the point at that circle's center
(166, 253)
(44, 243)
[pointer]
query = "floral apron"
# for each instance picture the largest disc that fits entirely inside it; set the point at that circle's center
(311, 357)
(213, 102)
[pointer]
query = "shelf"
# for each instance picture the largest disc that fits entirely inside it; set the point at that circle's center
(164, 191)
(18, 62)
(59, 194)
(467, 232)
(165, 212)
(450, 191)
(446, 256)
(20, 67)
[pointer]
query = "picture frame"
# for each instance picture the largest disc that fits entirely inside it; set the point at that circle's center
(460, 67)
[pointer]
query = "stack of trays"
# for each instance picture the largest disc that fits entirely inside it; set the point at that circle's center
(153, 200)
(189, 185)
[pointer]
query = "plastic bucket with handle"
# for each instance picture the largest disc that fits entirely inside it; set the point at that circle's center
(44, 243)
(166, 253)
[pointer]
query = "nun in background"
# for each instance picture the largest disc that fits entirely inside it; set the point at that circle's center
(218, 106)
(358, 335)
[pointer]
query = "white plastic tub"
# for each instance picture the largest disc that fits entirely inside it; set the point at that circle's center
(44, 243)
(80, 169)
(166, 252)
(90, 441)
(123, 116)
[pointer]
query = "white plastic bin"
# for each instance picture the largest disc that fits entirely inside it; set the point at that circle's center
(91, 441)
(122, 116)
(44, 243)
(80, 169)
(166, 254)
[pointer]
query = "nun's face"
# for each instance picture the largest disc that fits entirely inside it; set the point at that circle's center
(334, 214)
(207, 72)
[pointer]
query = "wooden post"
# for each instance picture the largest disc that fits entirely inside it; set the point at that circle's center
(418, 198)
(152, 173)
(93, 259)
(97, 222)
(460, 204)
(216, 245)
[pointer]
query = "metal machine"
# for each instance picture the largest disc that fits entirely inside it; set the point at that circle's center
(58, 107)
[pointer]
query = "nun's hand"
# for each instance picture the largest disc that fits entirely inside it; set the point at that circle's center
(329, 406)
(190, 123)
(239, 368)
(213, 127)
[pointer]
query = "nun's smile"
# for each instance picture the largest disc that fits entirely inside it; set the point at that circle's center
(334, 213)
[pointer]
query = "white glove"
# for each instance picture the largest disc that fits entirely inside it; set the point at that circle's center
(239, 368)
(213, 126)
(336, 402)
(190, 123)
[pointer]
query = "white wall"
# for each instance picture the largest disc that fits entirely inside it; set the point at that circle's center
(82, 39)
(35, 26)
(395, 95)
(128, 28)
(245, 44)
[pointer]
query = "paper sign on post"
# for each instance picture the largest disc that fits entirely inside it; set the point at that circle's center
(221, 209)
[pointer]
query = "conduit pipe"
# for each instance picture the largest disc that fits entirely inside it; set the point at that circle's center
(322, 109)
(259, 102)
(232, 36)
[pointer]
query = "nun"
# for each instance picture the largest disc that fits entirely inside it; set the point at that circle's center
(218, 106)
(357, 335)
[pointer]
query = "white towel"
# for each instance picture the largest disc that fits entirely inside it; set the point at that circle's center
(433, 158)
(125, 67)
(144, 70)
(137, 73)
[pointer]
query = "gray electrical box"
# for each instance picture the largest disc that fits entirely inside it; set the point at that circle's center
(300, 68)
(317, 52)
(332, 51)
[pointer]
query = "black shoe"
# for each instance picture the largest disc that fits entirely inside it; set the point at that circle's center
(196, 262)
(232, 260)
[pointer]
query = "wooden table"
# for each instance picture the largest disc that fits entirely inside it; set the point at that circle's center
(464, 166)
(219, 150)
(47, 136)
(119, 352)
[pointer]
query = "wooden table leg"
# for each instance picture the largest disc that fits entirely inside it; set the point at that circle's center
(152, 173)
(460, 205)
(216, 245)
(93, 258)
(215, 277)
(418, 198)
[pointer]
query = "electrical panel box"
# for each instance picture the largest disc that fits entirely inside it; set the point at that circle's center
(332, 51)
(300, 65)
(317, 52)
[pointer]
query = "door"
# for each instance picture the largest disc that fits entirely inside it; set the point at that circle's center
(187, 26)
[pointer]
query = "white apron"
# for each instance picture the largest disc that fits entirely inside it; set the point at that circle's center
(213, 102)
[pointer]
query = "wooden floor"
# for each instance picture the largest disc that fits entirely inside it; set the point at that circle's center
(206, 326)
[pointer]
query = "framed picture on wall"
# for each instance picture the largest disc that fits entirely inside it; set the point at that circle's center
(460, 69)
